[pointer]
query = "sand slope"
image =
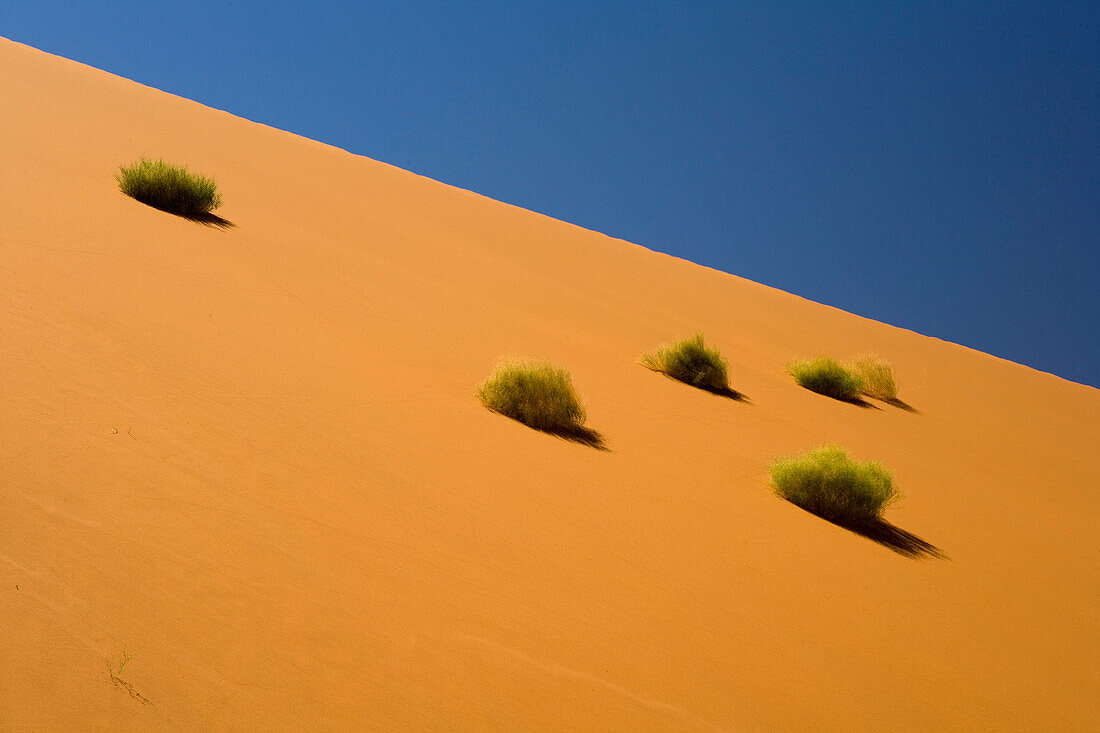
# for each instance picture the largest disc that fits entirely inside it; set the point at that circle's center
(252, 458)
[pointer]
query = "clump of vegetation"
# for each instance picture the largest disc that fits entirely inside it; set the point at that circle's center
(826, 376)
(692, 362)
(169, 187)
(878, 377)
(537, 394)
(828, 483)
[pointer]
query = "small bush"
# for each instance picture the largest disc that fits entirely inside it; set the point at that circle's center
(692, 362)
(826, 376)
(169, 187)
(827, 482)
(537, 394)
(878, 377)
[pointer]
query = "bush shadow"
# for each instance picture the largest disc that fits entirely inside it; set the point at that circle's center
(579, 434)
(857, 401)
(731, 394)
(902, 405)
(726, 392)
(897, 539)
(206, 219)
(210, 220)
(888, 535)
(573, 433)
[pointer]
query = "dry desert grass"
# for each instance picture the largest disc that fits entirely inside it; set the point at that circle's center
(877, 375)
(827, 482)
(691, 361)
(169, 187)
(826, 376)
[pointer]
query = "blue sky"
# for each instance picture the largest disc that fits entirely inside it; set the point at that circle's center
(932, 165)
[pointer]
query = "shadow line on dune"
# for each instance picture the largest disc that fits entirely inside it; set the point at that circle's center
(210, 220)
(726, 392)
(902, 405)
(580, 434)
(207, 219)
(574, 434)
(895, 538)
(857, 401)
(888, 535)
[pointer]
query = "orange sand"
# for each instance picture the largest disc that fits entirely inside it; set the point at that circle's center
(252, 459)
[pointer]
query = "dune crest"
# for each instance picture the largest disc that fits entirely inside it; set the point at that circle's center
(249, 461)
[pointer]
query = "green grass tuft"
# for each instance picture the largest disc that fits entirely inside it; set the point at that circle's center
(827, 482)
(878, 377)
(826, 376)
(692, 362)
(169, 187)
(537, 394)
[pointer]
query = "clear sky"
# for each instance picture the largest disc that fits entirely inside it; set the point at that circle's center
(932, 165)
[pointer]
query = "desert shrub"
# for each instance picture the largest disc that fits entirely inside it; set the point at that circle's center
(827, 482)
(691, 361)
(169, 187)
(826, 376)
(877, 375)
(537, 394)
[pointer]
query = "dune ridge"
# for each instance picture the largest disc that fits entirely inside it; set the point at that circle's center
(252, 458)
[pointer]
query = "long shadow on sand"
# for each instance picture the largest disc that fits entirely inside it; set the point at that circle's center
(857, 401)
(860, 402)
(210, 220)
(902, 405)
(726, 392)
(575, 434)
(579, 434)
(888, 535)
(897, 539)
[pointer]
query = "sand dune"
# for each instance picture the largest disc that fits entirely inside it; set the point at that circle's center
(251, 458)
